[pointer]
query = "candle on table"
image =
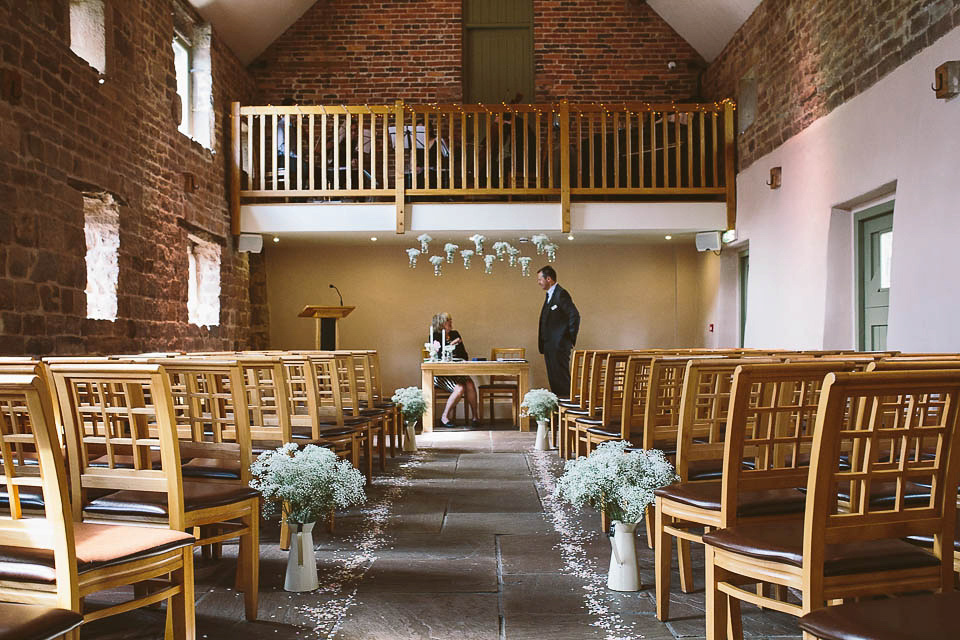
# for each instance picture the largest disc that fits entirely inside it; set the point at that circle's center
(443, 338)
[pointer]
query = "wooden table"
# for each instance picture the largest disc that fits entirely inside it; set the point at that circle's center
(518, 368)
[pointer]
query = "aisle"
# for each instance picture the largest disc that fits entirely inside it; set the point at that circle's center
(459, 541)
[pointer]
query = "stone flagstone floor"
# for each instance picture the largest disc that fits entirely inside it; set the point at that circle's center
(460, 540)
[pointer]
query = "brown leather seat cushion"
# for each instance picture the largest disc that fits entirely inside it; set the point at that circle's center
(927, 541)
(923, 617)
(218, 468)
(33, 622)
(706, 495)
(196, 495)
(783, 542)
(98, 545)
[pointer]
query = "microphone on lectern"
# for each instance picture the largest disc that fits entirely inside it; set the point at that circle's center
(338, 293)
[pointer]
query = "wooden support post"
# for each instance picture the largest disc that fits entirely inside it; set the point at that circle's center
(729, 158)
(235, 168)
(400, 195)
(564, 167)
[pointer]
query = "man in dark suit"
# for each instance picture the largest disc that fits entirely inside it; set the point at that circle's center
(559, 325)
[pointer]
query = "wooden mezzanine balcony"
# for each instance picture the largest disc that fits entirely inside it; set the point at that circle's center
(486, 153)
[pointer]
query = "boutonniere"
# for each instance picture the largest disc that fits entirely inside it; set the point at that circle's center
(553, 308)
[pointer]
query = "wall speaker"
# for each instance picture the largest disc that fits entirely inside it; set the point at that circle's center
(250, 242)
(708, 241)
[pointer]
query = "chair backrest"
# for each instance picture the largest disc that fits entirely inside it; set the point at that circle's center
(351, 398)
(705, 402)
(126, 410)
(500, 353)
(267, 398)
(613, 387)
(329, 390)
(634, 408)
(898, 414)
(661, 421)
(770, 422)
(26, 425)
(301, 383)
(576, 373)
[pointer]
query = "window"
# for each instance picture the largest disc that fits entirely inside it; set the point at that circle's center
(87, 32)
(203, 288)
(101, 228)
(193, 68)
(747, 101)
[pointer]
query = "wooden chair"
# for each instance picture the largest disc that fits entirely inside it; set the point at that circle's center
(371, 396)
(34, 622)
(354, 399)
(588, 399)
(871, 429)
(611, 398)
(128, 409)
(502, 387)
(710, 387)
(56, 560)
(917, 617)
(572, 399)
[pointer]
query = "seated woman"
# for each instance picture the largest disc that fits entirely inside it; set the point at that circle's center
(456, 385)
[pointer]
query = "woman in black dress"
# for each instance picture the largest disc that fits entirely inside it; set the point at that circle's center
(456, 385)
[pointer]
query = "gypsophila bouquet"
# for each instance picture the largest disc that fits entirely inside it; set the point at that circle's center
(307, 483)
(622, 484)
(539, 403)
(410, 399)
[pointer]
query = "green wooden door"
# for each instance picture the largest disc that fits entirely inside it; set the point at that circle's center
(744, 276)
(875, 249)
(498, 51)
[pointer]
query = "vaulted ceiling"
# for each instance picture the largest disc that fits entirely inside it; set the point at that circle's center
(249, 26)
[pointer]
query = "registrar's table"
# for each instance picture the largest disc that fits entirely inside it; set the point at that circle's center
(518, 368)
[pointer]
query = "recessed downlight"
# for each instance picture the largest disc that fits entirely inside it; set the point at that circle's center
(668, 237)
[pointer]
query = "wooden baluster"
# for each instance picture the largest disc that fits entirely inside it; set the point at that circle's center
(653, 150)
(676, 149)
(579, 148)
(689, 153)
(287, 183)
(550, 179)
(616, 149)
(539, 161)
(399, 186)
(384, 147)
(348, 126)
(514, 129)
(463, 150)
(526, 150)
(716, 151)
(476, 150)
(336, 152)
(373, 149)
(641, 151)
(591, 163)
(629, 129)
(488, 147)
(500, 148)
(250, 167)
(703, 149)
(603, 149)
(325, 184)
(665, 176)
(413, 149)
(298, 160)
(564, 167)
(312, 149)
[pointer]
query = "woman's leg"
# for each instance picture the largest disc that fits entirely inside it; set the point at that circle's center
(452, 402)
(471, 391)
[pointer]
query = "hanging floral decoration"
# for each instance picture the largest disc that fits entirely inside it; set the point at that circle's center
(524, 265)
(512, 254)
(424, 241)
(551, 250)
(477, 240)
(502, 250)
(488, 263)
(539, 240)
(412, 255)
(451, 250)
(437, 262)
(466, 254)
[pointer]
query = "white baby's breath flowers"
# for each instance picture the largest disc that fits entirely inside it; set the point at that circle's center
(500, 248)
(436, 261)
(466, 254)
(551, 251)
(524, 265)
(410, 399)
(307, 483)
(424, 240)
(450, 249)
(539, 239)
(539, 404)
(620, 483)
(512, 253)
(488, 263)
(477, 241)
(413, 254)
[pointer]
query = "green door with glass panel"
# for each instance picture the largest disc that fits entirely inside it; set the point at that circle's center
(874, 259)
(498, 51)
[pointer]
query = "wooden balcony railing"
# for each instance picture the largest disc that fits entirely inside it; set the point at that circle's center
(562, 151)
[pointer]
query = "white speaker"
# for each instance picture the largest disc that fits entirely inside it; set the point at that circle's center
(708, 241)
(251, 242)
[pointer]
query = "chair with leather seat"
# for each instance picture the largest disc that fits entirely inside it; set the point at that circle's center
(635, 382)
(869, 429)
(35, 622)
(55, 560)
(589, 400)
(355, 403)
(711, 387)
(572, 399)
(916, 617)
(502, 387)
(371, 396)
(129, 409)
(611, 399)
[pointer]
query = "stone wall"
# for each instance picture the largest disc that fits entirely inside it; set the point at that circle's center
(356, 52)
(810, 56)
(69, 133)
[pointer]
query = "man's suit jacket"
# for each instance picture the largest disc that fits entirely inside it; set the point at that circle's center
(559, 322)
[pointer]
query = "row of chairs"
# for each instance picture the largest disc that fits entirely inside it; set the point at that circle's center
(162, 442)
(804, 471)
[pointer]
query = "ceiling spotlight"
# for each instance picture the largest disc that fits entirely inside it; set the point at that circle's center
(276, 238)
(570, 237)
(668, 237)
(373, 238)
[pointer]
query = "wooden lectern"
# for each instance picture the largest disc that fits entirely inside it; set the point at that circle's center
(328, 328)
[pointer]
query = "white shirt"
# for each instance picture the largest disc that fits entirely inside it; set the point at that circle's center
(550, 292)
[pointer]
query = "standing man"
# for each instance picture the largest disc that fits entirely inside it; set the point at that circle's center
(559, 325)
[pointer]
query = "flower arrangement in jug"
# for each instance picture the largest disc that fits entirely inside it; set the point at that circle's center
(539, 404)
(411, 401)
(432, 348)
(611, 480)
(307, 484)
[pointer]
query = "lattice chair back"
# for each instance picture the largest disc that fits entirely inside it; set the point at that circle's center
(661, 421)
(635, 382)
(125, 410)
(770, 425)
(895, 427)
(301, 382)
(329, 389)
(267, 399)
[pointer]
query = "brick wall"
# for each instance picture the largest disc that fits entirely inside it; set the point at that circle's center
(356, 52)
(811, 56)
(69, 132)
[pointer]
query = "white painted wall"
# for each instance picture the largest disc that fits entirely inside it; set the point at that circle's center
(895, 132)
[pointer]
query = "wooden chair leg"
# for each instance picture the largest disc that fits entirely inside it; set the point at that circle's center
(685, 564)
(181, 607)
(250, 550)
(716, 601)
(650, 521)
(734, 620)
(284, 533)
(662, 568)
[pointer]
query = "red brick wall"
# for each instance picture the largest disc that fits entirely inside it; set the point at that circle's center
(809, 57)
(356, 52)
(120, 137)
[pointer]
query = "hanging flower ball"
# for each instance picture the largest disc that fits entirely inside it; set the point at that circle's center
(500, 248)
(437, 262)
(540, 239)
(450, 249)
(488, 263)
(424, 240)
(412, 255)
(525, 265)
(512, 253)
(477, 240)
(466, 254)
(551, 251)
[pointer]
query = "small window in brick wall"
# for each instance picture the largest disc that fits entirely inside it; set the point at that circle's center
(203, 289)
(746, 101)
(194, 72)
(101, 228)
(87, 32)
